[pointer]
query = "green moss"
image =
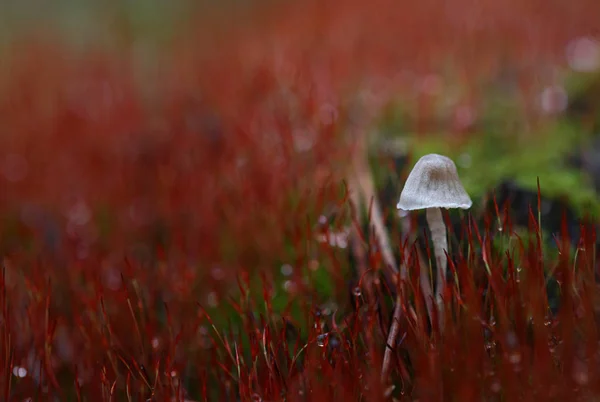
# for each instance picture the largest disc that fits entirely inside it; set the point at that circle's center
(523, 158)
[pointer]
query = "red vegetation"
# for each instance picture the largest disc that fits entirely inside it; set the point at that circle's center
(125, 204)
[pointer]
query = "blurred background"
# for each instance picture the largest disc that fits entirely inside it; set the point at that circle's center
(506, 89)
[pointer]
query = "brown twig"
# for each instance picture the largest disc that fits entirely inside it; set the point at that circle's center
(355, 238)
(391, 340)
(364, 181)
(363, 188)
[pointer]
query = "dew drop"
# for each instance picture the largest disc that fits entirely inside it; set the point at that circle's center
(212, 299)
(389, 390)
(321, 238)
(289, 286)
(553, 343)
(495, 387)
(489, 346)
(286, 269)
(20, 372)
(514, 358)
(512, 340)
(241, 162)
(322, 340)
(256, 398)
(580, 373)
(357, 292)
(334, 342)
(465, 118)
(79, 213)
(217, 273)
(303, 139)
(111, 277)
(430, 84)
(583, 54)
(341, 240)
(205, 340)
(553, 99)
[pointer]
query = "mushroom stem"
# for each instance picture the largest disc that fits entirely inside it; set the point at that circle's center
(440, 244)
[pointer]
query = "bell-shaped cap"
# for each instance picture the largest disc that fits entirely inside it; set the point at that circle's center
(434, 183)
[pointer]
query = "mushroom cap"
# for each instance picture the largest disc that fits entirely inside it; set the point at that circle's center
(433, 183)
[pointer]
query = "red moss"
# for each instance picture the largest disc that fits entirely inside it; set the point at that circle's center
(122, 209)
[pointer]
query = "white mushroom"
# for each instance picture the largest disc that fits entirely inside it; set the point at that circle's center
(431, 185)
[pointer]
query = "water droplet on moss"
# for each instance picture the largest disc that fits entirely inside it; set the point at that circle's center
(495, 386)
(20, 372)
(289, 286)
(514, 358)
(322, 340)
(287, 269)
(583, 54)
(357, 292)
(580, 373)
(489, 346)
(334, 342)
(212, 299)
(217, 273)
(512, 340)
